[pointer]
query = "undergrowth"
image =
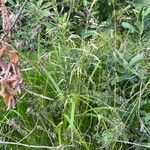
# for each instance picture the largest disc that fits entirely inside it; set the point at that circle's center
(86, 76)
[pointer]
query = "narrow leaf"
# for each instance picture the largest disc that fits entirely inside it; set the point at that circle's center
(135, 59)
(127, 25)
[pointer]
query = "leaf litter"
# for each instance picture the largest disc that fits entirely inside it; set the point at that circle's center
(10, 74)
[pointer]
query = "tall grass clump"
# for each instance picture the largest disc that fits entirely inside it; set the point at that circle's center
(86, 77)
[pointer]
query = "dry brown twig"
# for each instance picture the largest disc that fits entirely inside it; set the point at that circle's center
(11, 26)
(10, 76)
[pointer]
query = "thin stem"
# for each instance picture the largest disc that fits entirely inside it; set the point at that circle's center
(34, 146)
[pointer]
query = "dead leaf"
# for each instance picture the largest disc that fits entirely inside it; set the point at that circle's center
(10, 76)
(5, 17)
(1, 52)
(3, 68)
(14, 57)
(9, 97)
(11, 79)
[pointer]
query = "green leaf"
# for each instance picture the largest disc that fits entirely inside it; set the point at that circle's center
(147, 117)
(46, 5)
(127, 25)
(135, 59)
(120, 58)
(11, 2)
(147, 19)
(120, 78)
(72, 117)
(138, 4)
(39, 3)
(88, 33)
(44, 13)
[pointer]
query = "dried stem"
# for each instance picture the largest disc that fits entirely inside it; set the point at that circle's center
(17, 17)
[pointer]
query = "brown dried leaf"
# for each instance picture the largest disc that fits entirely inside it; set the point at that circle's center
(5, 17)
(14, 57)
(8, 95)
(19, 74)
(8, 98)
(10, 85)
(11, 79)
(1, 52)
(3, 68)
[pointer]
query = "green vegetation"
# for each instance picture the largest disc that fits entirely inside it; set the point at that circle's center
(86, 76)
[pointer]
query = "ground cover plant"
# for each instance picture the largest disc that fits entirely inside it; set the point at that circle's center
(86, 75)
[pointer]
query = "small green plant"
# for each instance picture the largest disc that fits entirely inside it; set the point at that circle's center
(142, 22)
